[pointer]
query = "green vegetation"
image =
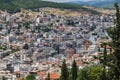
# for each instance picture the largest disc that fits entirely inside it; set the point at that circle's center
(114, 64)
(48, 76)
(93, 72)
(13, 51)
(109, 67)
(30, 77)
(16, 5)
(64, 71)
(74, 70)
(110, 31)
(2, 47)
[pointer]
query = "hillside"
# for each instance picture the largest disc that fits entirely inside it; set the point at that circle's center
(15, 5)
(96, 3)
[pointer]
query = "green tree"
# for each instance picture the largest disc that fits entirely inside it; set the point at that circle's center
(112, 61)
(104, 61)
(30, 77)
(64, 71)
(116, 42)
(84, 74)
(114, 65)
(93, 72)
(48, 76)
(74, 70)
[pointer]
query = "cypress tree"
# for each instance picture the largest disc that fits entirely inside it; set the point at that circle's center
(104, 54)
(64, 71)
(74, 70)
(114, 64)
(48, 76)
(112, 61)
(116, 43)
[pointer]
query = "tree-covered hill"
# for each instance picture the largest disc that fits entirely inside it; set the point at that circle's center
(97, 3)
(13, 5)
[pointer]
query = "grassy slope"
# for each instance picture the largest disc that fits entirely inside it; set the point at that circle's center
(12, 5)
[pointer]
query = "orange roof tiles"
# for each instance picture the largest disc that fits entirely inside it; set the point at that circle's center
(54, 76)
(41, 73)
(79, 62)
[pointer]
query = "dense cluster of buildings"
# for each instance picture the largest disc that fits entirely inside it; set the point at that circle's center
(37, 43)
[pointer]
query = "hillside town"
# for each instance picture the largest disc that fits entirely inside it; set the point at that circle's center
(37, 42)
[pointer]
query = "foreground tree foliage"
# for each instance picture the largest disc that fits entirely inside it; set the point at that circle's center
(64, 71)
(93, 72)
(74, 70)
(30, 77)
(114, 64)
